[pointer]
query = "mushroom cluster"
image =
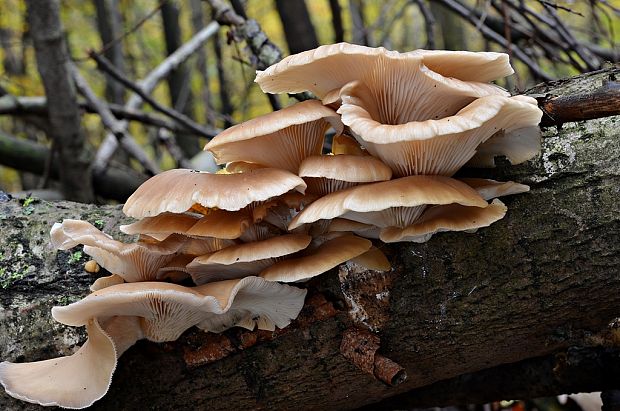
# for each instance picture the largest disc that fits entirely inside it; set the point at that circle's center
(214, 250)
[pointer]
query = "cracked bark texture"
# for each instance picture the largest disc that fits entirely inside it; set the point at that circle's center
(460, 309)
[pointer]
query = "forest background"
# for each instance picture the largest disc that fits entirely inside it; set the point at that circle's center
(214, 84)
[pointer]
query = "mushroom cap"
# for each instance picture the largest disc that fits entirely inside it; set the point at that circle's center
(489, 189)
(436, 147)
(373, 259)
(245, 259)
(167, 310)
(177, 190)
(344, 144)
(221, 224)
(327, 256)
(351, 168)
(339, 225)
(162, 224)
(478, 66)
(280, 139)
(411, 193)
(450, 217)
(75, 381)
(517, 146)
(133, 262)
(330, 67)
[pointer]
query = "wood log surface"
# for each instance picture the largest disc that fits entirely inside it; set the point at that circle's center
(526, 307)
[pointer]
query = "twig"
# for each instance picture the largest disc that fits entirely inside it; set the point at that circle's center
(495, 37)
(264, 52)
(110, 122)
(167, 139)
(602, 102)
(133, 29)
(174, 60)
(429, 22)
(104, 65)
(37, 105)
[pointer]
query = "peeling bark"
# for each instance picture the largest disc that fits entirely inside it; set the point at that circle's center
(540, 284)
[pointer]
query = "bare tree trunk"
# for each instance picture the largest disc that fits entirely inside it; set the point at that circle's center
(179, 79)
(109, 25)
(201, 61)
(358, 20)
(336, 10)
(64, 116)
(298, 28)
(226, 107)
(450, 26)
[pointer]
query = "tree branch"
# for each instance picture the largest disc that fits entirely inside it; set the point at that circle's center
(113, 125)
(147, 85)
(115, 183)
(104, 65)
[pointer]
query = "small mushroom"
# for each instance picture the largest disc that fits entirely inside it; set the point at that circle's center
(325, 257)
(162, 225)
(180, 190)
(490, 189)
(132, 262)
(394, 203)
(450, 217)
(245, 259)
(326, 174)
(281, 139)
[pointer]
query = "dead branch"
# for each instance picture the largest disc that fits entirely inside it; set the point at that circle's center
(104, 65)
(110, 122)
(147, 85)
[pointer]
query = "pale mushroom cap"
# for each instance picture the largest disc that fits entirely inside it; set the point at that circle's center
(167, 310)
(451, 217)
(177, 190)
(351, 168)
(413, 191)
(221, 224)
(330, 67)
(75, 381)
(439, 147)
(165, 223)
(245, 259)
(338, 225)
(281, 139)
(373, 259)
(132, 262)
(489, 189)
(327, 256)
(517, 146)
(467, 65)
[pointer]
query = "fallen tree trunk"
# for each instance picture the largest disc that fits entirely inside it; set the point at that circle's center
(508, 307)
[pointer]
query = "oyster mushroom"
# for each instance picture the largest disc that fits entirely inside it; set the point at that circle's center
(394, 203)
(179, 190)
(281, 139)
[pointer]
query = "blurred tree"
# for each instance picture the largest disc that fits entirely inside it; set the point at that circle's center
(179, 82)
(298, 28)
(63, 111)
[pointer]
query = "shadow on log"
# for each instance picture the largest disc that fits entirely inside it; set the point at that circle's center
(459, 311)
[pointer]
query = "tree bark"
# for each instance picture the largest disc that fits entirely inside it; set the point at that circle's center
(109, 25)
(501, 306)
(298, 28)
(179, 80)
(64, 115)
